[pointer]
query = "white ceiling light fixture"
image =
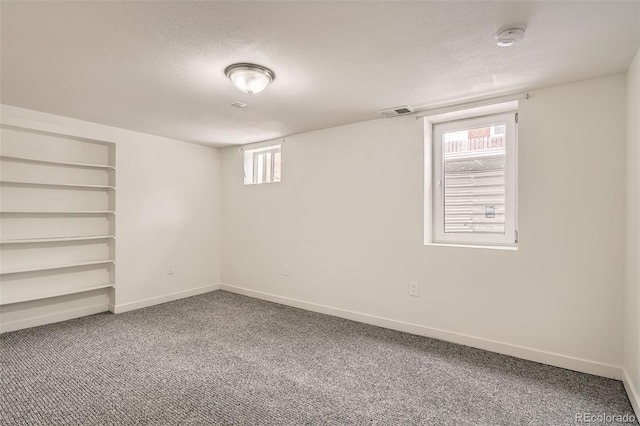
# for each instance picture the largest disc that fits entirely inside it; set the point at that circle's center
(249, 78)
(510, 36)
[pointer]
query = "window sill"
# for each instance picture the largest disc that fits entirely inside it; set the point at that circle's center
(261, 183)
(475, 246)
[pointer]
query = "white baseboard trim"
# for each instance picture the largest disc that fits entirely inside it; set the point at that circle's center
(549, 358)
(632, 391)
(125, 307)
(52, 318)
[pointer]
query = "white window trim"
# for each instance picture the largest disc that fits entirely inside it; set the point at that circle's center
(250, 166)
(431, 237)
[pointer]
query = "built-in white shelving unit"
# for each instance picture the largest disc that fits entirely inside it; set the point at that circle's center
(57, 215)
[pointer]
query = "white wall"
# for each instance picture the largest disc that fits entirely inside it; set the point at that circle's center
(348, 219)
(167, 212)
(632, 289)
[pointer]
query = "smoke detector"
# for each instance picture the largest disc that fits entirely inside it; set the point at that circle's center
(394, 112)
(510, 36)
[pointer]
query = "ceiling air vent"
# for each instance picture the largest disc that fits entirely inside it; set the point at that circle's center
(394, 112)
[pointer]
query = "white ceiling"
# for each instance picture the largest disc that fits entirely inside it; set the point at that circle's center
(158, 67)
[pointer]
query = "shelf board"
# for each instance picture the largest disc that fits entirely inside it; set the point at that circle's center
(56, 185)
(57, 163)
(62, 293)
(56, 239)
(49, 268)
(69, 212)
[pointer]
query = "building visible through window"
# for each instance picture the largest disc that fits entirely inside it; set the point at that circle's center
(474, 180)
(474, 185)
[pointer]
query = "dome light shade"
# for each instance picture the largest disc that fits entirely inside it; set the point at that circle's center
(249, 78)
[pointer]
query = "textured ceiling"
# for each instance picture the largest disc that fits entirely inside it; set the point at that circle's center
(158, 67)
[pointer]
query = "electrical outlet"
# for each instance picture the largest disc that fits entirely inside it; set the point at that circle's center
(285, 270)
(170, 269)
(414, 289)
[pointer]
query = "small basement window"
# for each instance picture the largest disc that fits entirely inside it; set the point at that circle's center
(262, 165)
(472, 180)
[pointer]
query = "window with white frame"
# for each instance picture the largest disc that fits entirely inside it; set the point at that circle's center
(262, 165)
(473, 188)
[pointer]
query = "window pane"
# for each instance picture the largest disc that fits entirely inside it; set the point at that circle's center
(259, 159)
(262, 165)
(277, 165)
(268, 157)
(498, 130)
(474, 180)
